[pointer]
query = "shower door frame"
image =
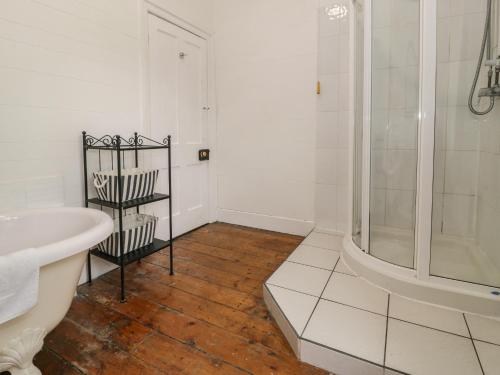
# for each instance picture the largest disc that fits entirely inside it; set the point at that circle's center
(425, 144)
(414, 282)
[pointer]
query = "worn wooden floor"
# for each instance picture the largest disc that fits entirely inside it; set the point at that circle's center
(209, 318)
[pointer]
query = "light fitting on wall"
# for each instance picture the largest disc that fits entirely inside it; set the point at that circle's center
(336, 11)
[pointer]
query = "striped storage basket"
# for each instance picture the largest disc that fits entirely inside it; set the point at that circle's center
(138, 231)
(137, 183)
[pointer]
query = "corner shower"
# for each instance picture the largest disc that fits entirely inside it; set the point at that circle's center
(425, 218)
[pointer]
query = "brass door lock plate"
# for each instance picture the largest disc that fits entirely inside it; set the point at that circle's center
(204, 154)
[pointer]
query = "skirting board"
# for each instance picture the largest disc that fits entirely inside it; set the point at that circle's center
(274, 223)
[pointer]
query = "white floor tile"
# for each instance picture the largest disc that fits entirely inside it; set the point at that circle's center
(297, 307)
(427, 315)
(424, 351)
(353, 291)
(489, 355)
(305, 279)
(484, 329)
(326, 241)
(315, 256)
(353, 331)
(342, 268)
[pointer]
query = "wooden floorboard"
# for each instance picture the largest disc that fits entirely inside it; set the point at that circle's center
(209, 318)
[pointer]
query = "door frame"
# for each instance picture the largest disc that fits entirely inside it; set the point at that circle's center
(147, 8)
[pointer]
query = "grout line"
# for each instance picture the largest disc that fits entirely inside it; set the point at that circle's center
(386, 327)
(486, 342)
(354, 307)
(379, 314)
(292, 290)
(320, 247)
(473, 345)
(306, 265)
(319, 299)
(303, 264)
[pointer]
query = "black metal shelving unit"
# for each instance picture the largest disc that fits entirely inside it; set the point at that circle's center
(120, 145)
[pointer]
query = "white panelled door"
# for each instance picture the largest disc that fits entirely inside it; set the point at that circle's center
(178, 106)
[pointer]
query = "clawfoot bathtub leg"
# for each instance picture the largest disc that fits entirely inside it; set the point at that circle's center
(17, 356)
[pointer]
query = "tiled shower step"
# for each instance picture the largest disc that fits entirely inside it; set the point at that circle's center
(343, 324)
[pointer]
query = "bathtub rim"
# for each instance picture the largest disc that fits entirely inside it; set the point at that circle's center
(55, 251)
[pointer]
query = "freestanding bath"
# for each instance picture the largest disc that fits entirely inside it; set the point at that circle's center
(62, 237)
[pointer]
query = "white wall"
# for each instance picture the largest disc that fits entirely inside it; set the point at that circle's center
(67, 66)
(334, 107)
(266, 74)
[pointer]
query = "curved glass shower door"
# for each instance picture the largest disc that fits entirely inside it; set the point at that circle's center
(393, 129)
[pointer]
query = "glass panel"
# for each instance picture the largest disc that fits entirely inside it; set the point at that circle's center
(466, 198)
(358, 126)
(394, 121)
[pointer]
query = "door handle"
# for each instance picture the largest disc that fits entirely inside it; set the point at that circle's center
(206, 108)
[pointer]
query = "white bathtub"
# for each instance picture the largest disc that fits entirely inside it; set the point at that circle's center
(62, 237)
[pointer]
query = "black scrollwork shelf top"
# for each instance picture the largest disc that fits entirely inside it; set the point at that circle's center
(117, 142)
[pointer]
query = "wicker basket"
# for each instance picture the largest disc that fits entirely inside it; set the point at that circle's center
(137, 183)
(138, 231)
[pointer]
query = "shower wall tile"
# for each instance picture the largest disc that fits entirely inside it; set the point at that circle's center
(326, 163)
(437, 212)
(380, 79)
(458, 87)
(459, 7)
(439, 168)
(379, 126)
(402, 169)
(377, 206)
(403, 129)
(443, 40)
(400, 208)
(461, 172)
(462, 132)
(341, 167)
(327, 130)
(343, 205)
(440, 128)
(381, 47)
(442, 85)
(329, 98)
(334, 108)
(326, 206)
(343, 130)
(459, 215)
(328, 56)
(466, 32)
(379, 166)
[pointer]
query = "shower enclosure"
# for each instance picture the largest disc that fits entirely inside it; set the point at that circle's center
(426, 155)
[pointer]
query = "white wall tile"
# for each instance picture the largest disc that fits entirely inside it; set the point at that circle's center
(459, 215)
(400, 208)
(326, 206)
(327, 135)
(461, 172)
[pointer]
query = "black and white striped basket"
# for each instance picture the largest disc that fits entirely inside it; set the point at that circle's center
(138, 231)
(137, 183)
